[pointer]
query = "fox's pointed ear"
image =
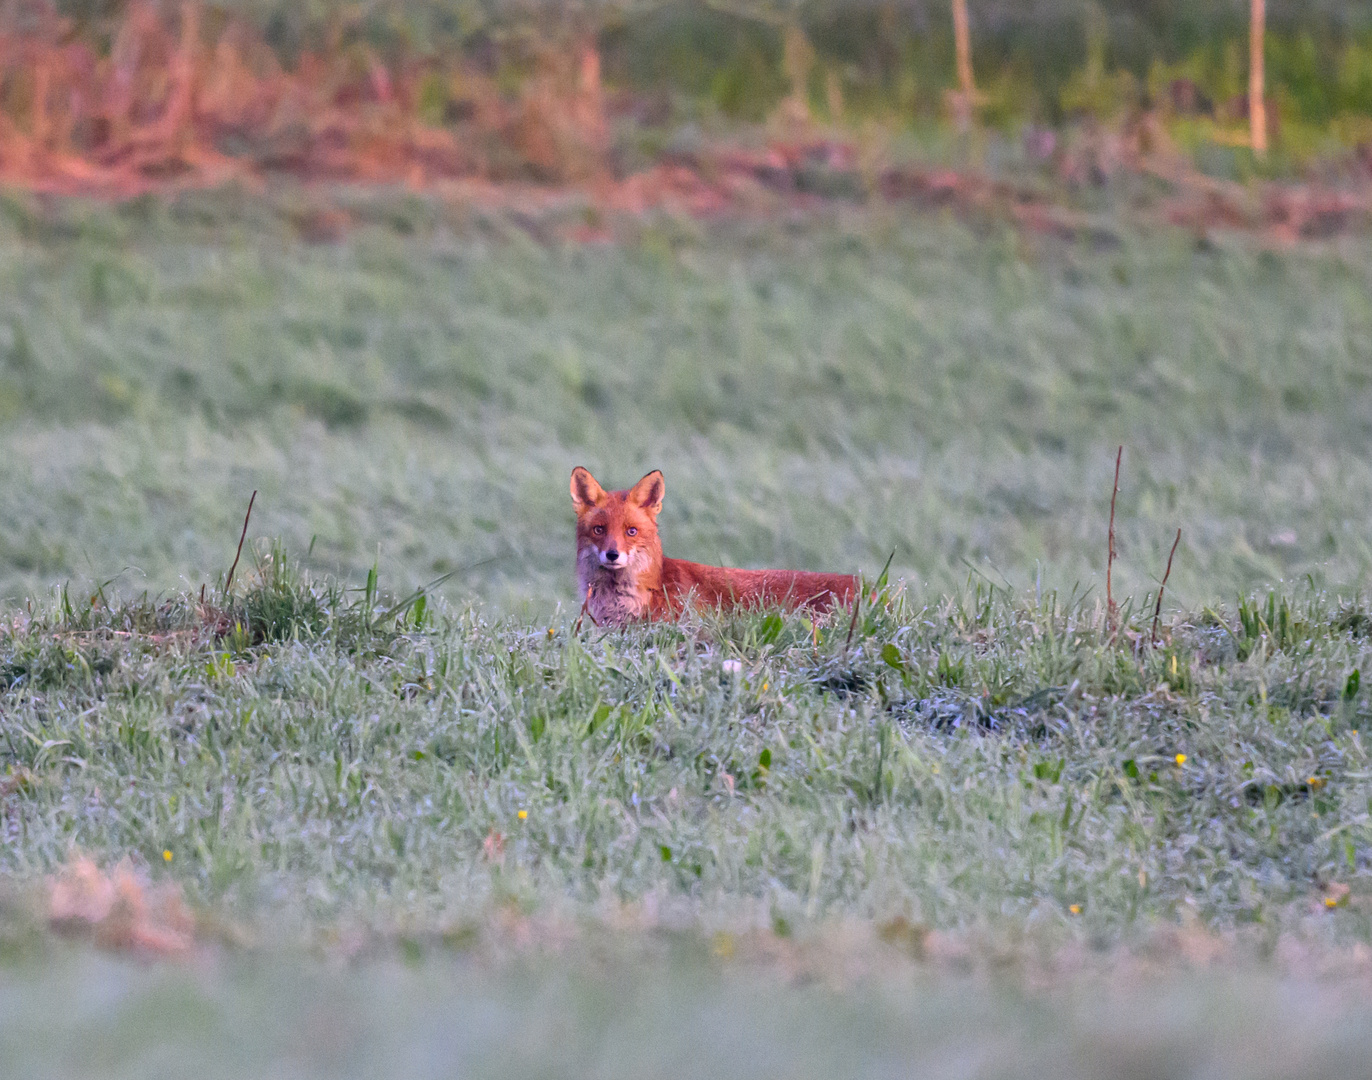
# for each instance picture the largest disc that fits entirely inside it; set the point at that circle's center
(648, 492)
(586, 493)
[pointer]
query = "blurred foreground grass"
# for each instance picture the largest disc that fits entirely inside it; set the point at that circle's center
(819, 393)
(679, 1016)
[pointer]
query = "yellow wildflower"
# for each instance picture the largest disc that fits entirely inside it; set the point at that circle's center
(167, 855)
(1181, 759)
(1075, 909)
(523, 814)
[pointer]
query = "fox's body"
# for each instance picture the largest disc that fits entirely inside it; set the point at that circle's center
(622, 574)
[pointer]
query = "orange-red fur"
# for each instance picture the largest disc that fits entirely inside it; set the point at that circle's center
(639, 583)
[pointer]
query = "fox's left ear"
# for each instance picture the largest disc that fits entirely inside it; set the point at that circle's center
(648, 492)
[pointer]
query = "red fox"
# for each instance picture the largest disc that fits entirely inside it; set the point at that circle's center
(622, 574)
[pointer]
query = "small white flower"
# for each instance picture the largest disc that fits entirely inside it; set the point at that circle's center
(732, 666)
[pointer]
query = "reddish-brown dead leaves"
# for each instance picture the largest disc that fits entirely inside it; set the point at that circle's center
(178, 103)
(120, 909)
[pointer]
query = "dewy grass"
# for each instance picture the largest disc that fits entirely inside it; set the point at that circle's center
(818, 396)
(989, 762)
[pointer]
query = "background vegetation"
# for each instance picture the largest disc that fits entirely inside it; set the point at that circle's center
(889, 62)
(1045, 60)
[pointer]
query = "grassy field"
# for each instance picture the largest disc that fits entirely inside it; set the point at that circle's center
(483, 814)
(817, 395)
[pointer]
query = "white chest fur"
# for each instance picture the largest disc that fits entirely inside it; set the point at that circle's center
(615, 595)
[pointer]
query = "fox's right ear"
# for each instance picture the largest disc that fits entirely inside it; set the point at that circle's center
(586, 493)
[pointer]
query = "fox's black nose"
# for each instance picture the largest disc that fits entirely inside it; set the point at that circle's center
(612, 555)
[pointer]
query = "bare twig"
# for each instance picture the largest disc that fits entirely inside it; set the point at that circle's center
(585, 612)
(1111, 611)
(1157, 609)
(228, 582)
(881, 578)
(857, 602)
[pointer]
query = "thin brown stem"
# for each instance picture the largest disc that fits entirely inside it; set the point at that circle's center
(1111, 612)
(852, 625)
(585, 613)
(228, 582)
(1157, 609)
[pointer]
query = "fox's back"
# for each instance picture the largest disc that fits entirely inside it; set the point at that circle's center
(724, 587)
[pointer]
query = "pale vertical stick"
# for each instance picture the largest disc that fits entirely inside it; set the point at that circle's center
(798, 58)
(1110, 610)
(962, 39)
(1257, 108)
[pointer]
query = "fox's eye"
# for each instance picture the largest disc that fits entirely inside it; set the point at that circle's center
(631, 531)
(599, 530)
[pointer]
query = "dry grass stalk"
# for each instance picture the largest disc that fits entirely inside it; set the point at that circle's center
(1111, 610)
(228, 582)
(1157, 608)
(585, 613)
(852, 624)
